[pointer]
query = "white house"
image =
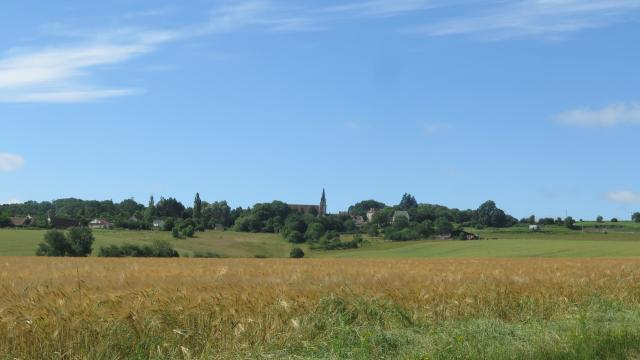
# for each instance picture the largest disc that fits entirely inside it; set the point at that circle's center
(158, 224)
(534, 228)
(100, 224)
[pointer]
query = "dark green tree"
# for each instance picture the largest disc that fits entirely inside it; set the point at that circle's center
(569, 222)
(197, 207)
(636, 217)
(443, 226)
(150, 211)
(408, 202)
(80, 241)
(54, 244)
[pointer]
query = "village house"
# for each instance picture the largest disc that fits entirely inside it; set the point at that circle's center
(535, 228)
(61, 223)
(21, 221)
(158, 224)
(100, 224)
(370, 214)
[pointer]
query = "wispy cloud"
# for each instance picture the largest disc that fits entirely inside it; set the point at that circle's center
(502, 19)
(608, 116)
(65, 72)
(623, 197)
(383, 8)
(10, 162)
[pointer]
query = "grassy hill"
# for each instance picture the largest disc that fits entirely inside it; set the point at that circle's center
(225, 243)
(618, 240)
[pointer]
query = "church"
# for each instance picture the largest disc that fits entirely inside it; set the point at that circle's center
(320, 210)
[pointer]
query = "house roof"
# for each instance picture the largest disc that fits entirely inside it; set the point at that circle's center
(99, 222)
(19, 221)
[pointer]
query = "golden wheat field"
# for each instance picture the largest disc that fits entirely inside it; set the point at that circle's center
(261, 308)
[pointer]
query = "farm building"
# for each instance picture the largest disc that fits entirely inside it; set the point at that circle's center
(100, 224)
(21, 221)
(535, 228)
(61, 223)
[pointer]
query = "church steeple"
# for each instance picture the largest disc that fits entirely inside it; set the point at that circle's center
(322, 209)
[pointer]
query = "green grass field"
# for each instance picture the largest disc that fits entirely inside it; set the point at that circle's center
(225, 243)
(620, 239)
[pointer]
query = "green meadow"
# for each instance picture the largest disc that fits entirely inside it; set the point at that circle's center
(610, 240)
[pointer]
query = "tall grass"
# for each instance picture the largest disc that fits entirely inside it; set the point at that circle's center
(222, 308)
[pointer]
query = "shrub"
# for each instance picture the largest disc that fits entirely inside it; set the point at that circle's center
(636, 217)
(295, 237)
(599, 219)
(78, 242)
(159, 248)
(296, 253)
(206, 254)
(614, 220)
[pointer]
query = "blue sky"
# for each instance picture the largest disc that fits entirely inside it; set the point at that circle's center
(534, 104)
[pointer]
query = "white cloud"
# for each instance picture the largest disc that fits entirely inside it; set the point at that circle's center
(59, 74)
(624, 197)
(382, 8)
(608, 116)
(63, 73)
(534, 18)
(10, 162)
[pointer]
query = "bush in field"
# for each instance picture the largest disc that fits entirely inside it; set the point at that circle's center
(206, 254)
(614, 220)
(54, 244)
(570, 222)
(78, 242)
(599, 219)
(295, 237)
(158, 248)
(296, 253)
(636, 217)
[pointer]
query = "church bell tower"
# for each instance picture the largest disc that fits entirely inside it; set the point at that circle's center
(322, 209)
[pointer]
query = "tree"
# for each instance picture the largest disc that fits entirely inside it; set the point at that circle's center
(599, 219)
(295, 237)
(488, 214)
(408, 202)
(636, 217)
(614, 220)
(197, 207)
(443, 226)
(361, 208)
(296, 253)
(150, 211)
(169, 208)
(80, 241)
(54, 244)
(569, 222)
(314, 231)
